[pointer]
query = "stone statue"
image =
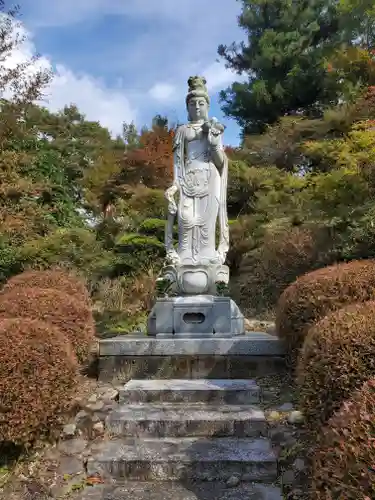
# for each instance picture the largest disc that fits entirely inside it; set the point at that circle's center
(192, 291)
(200, 179)
(200, 183)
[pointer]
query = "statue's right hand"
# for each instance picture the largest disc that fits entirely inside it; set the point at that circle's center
(172, 207)
(170, 192)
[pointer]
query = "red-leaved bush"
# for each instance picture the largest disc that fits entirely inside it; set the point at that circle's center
(72, 317)
(38, 378)
(314, 295)
(336, 359)
(58, 279)
(344, 457)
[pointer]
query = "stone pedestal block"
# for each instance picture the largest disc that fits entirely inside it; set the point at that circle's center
(196, 316)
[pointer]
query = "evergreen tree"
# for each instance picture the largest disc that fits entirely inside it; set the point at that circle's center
(288, 59)
(358, 21)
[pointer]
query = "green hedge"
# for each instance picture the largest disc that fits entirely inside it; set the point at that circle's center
(136, 252)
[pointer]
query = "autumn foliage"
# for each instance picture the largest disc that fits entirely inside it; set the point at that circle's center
(151, 163)
(57, 279)
(314, 295)
(336, 359)
(70, 316)
(344, 455)
(38, 377)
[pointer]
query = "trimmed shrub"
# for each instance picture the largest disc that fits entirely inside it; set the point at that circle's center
(137, 252)
(38, 377)
(72, 317)
(314, 295)
(153, 227)
(58, 279)
(344, 459)
(336, 359)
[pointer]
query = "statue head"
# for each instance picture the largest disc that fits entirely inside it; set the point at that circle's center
(197, 99)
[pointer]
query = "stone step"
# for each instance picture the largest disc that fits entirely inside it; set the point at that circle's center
(181, 420)
(178, 491)
(219, 391)
(170, 459)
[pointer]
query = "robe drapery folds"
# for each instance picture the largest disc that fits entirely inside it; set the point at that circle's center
(181, 185)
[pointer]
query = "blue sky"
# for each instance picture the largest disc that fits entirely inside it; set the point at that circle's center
(127, 60)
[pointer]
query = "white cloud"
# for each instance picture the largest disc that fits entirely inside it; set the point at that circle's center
(93, 98)
(109, 106)
(162, 92)
(218, 76)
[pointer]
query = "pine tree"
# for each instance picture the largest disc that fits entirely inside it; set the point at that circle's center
(288, 56)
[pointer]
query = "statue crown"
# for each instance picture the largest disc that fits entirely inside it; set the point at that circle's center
(197, 83)
(197, 88)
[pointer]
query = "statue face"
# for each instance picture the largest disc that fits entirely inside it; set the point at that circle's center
(197, 109)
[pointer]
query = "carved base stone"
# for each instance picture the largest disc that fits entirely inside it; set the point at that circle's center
(195, 316)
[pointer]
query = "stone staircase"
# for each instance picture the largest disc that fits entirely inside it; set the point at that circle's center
(192, 437)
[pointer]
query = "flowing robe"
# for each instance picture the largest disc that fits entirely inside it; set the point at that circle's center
(202, 199)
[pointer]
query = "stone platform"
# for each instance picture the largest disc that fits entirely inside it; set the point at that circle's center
(247, 356)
